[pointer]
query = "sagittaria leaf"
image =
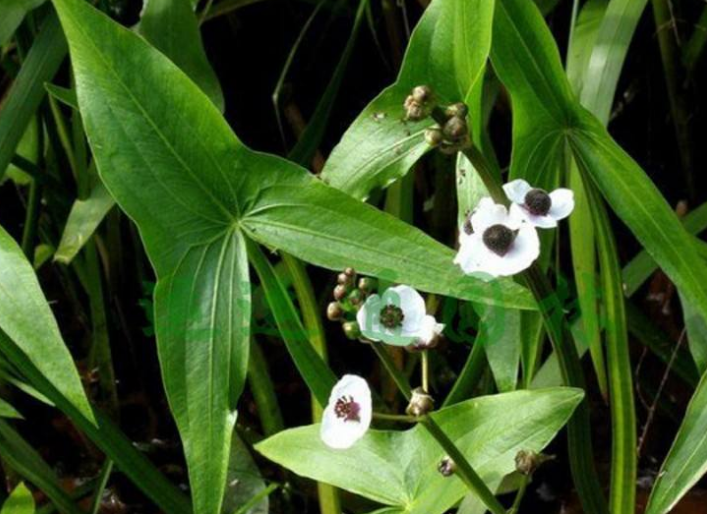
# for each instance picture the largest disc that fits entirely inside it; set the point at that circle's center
(447, 51)
(399, 469)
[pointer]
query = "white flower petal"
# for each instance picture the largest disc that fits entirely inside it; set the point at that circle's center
(516, 190)
(429, 329)
(488, 213)
(524, 251)
(562, 203)
(368, 317)
(541, 221)
(517, 216)
(412, 305)
(340, 433)
(471, 253)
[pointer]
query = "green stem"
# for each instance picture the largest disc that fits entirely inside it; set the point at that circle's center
(425, 371)
(106, 470)
(263, 390)
(696, 44)
(525, 479)
(29, 234)
(464, 470)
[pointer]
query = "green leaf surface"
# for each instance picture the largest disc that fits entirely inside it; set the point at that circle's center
(20, 501)
(581, 225)
(84, 218)
(12, 12)
(447, 51)
(696, 327)
(29, 323)
(8, 411)
(642, 266)
(686, 462)
(398, 469)
(64, 95)
(27, 90)
(172, 27)
(304, 217)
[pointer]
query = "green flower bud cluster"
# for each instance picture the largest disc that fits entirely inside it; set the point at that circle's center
(349, 294)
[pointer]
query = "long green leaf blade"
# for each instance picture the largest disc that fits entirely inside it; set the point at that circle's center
(28, 321)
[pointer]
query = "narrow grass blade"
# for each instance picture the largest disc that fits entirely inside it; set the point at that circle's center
(27, 91)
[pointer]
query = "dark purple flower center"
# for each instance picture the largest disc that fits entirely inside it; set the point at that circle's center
(499, 238)
(347, 409)
(538, 202)
(391, 316)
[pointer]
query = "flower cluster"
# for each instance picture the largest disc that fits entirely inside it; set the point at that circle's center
(397, 317)
(500, 241)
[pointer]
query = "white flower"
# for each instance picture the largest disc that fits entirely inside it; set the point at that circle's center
(501, 243)
(542, 209)
(348, 414)
(398, 317)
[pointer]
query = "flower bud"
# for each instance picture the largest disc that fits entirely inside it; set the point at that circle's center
(340, 292)
(528, 461)
(344, 280)
(433, 136)
(356, 297)
(367, 284)
(446, 466)
(351, 330)
(421, 94)
(350, 272)
(334, 312)
(455, 129)
(458, 109)
(420, 404)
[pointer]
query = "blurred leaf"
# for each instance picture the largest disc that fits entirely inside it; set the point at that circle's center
(12, 12)
(28, 147)
(399, 469)
(102, 432)
(243, 480)
(171, 26)
(315, 372)
(307, 145)
(27, 90)
(84, 218)
(696, 328)
(8, 411)
(23, 459)
(64, 95)
(642, 266)
(447, 51)
(20, 501)
(28, 321)
(686, 462)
